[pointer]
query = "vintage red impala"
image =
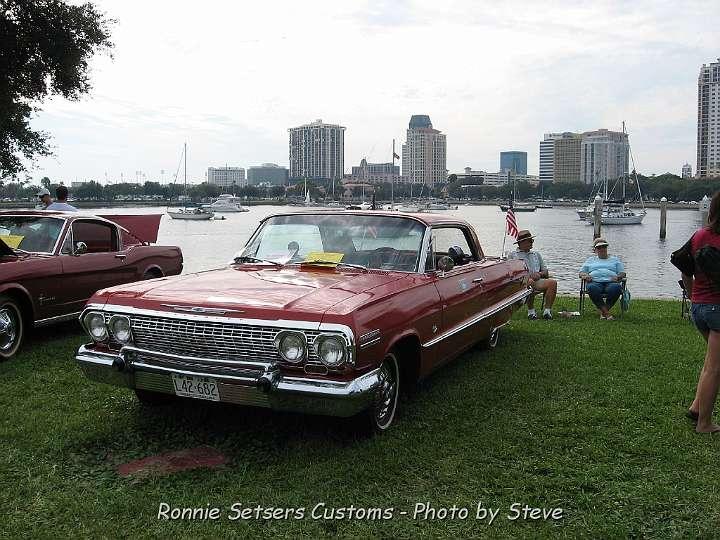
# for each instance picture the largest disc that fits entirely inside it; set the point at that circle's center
(51, 263)
(323, 313)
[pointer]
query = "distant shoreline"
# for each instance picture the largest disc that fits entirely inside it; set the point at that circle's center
(133, 204)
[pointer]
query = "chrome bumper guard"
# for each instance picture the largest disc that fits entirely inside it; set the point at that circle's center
(254, 383)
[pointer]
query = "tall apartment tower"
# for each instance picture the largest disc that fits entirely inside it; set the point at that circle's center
(604, 155)
(708, 138)
(566, 158)
(547, 156)
(317, 151)
(424, 154)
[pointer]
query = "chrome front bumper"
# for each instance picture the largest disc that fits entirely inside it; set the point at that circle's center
(268, 388)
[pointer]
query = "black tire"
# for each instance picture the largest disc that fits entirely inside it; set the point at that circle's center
(151, 274)
(12, 327)
(491, 341)
(379, 417)
(153, 399)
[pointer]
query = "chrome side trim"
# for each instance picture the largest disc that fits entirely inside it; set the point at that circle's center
(369, 338)
(57, 319)
(479, 317)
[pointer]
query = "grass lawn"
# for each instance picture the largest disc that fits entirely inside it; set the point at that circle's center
(579, 414)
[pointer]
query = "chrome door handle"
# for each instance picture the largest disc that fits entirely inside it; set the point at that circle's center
(478, 280)
(120, 256)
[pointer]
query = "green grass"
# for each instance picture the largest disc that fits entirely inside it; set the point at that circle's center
(584, 414)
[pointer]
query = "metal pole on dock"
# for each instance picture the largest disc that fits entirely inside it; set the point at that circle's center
(597, 217)
(663, 217)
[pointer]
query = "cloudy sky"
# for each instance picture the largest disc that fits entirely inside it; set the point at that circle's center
(230, 78)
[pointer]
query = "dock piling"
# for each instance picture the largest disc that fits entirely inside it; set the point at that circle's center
(597, 217)
(663, 217)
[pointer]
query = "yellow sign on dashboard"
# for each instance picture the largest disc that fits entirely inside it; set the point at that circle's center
(12, 240)
(331, 259)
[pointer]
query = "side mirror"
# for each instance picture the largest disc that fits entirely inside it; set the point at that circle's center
(80, 248)
(445, 264)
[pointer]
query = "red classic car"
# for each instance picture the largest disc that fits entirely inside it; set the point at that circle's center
(52, 262)
(323, 313)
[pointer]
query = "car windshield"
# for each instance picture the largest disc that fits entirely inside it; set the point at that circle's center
(379, 242)
(30, 233)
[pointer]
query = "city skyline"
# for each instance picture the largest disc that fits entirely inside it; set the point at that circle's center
(158, 92)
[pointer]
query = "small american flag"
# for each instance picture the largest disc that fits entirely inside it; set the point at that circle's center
(510, 223)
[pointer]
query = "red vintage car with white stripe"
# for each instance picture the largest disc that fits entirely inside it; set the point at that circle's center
(320, 312)
(51, 263)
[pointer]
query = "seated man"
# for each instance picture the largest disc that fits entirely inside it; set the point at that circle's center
(539, 276)
(603, 275)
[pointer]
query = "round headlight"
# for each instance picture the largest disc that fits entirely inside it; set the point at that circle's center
(291, 346)
(95, 326)
(331, 351)
(120, 328)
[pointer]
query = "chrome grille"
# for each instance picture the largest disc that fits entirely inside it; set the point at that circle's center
(201, 339)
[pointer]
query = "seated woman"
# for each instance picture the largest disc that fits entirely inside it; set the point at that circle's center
(603, 275)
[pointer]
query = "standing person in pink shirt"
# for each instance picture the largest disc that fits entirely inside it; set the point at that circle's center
(704, 291)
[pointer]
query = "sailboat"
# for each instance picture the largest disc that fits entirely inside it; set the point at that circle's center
(517, 207)
(618, 212)
(186, 213)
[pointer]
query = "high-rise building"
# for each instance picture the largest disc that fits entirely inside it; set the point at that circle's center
(424, 154)
(604, 155)
(708, 137)
(317, 151)
(566, 158)
(687, 171)
(514, 162)
(226, 176)
(547, 155)
(269, 174)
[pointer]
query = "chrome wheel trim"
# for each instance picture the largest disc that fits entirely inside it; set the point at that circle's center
(494, 337)
(386, 394)
(8, 329)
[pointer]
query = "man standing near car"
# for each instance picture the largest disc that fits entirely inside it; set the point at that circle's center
(44, 195)
(539, 275)
(60, 204)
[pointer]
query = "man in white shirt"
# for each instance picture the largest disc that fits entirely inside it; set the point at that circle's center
(539, 275)
(44, 195)
(60, 204)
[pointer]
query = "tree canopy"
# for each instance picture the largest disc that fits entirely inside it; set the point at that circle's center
(45, 49)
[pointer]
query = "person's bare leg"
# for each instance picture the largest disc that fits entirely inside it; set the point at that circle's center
(530, 302)
(708, 385)
(549, 287)
(694, 405)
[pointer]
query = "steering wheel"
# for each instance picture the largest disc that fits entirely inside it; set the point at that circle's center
(381, 255)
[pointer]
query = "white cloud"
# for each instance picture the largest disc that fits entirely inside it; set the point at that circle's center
(230, 78)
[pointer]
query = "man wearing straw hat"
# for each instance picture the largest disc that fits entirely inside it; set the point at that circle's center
(539, 276)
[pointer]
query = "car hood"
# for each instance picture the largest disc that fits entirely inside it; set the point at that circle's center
(256, 293)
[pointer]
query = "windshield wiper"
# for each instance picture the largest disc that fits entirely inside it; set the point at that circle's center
(246, 258)
(335, 263)
(21, 251)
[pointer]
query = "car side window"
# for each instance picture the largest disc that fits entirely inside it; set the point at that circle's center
(100, 237)
(452, 242)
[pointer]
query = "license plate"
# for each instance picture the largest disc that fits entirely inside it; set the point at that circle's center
(195, 387)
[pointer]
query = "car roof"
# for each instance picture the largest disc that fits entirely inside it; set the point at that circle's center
(427, 219)
(60, 215)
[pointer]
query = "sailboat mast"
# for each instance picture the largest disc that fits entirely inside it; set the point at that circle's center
(392, 182)
(185, 174)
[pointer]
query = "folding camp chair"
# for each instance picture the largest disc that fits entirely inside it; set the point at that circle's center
(583, 292)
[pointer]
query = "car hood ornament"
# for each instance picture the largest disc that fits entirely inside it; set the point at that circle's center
(204, 310)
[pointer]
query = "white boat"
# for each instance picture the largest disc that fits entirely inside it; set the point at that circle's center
(440, 207)
(226, 203)
(333, 204)
(194, 214)
(704, 208)
(617, 212)
(362, 206)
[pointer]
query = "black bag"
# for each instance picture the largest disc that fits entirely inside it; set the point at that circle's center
(707, 261)
(683, 260)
